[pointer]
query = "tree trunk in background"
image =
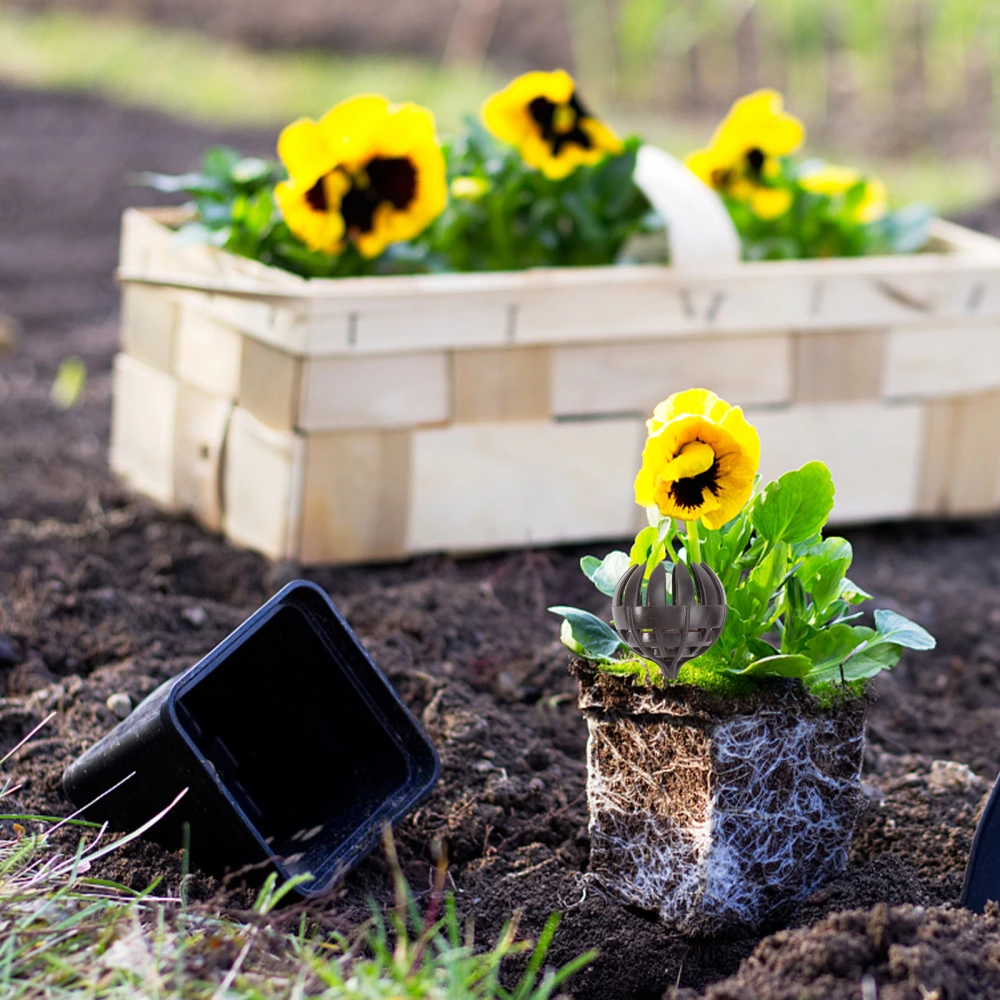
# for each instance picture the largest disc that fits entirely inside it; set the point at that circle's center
(747, 57)
(471, 33)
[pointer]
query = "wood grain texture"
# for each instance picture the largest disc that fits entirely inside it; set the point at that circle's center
(149, 326)
(356, 496)
(143, 428)
(375, 391)
(942, 361)
(501, 384)
(262, 486)
(481, 486)
(960, 470)
(838, 365)
(209, 355)
(872, 449)
(634, 377)
(270, 384)
(202, 422)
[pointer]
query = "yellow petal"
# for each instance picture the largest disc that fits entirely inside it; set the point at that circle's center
(769, 203)
(693, 459)
(603, 138)
(304, 151)
(691, 401)
(875, 202)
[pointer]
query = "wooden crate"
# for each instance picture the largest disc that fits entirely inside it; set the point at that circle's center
(374, 418)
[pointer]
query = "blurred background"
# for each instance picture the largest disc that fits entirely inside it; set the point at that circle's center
(908, 88)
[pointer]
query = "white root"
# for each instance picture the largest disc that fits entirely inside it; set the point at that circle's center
(717, 824)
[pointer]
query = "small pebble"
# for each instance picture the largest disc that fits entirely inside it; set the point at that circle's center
(119, 703)
(196, 616)
(10, 651)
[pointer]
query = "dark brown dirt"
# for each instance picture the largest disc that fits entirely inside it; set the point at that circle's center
(98, 594)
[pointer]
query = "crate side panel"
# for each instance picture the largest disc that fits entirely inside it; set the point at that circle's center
(838, 365)
(208, 355)
(407, 323)
(355, 496)
(149, 326)
(202, 421)
(501, 384)
(262, 486)
(634, 377)
(378, 391)
(872, 449)
(479, 486)
(972, 483)
(143, 422)
(270, 384)
(942, 361)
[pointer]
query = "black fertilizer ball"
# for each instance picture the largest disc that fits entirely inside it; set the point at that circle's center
(669, 634)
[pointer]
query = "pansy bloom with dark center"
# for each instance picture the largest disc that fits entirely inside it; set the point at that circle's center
(368, 172)
(742, 159)
(700, 459)
(543, 117)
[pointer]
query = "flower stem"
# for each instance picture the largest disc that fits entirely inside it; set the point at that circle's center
(693, 542)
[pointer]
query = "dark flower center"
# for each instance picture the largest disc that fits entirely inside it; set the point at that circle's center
(688, 493)
(543, 112)
(755, 161)
(391, 179)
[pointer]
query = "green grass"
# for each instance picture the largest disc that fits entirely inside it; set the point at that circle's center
(215, 83)
(210, 81)
(69, 936)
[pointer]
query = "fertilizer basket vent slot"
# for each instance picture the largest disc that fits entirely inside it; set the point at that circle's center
(669, 634)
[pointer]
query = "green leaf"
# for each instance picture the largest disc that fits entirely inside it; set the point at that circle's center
(250, 170)
(852, 593)
(591, 637)
(796, 506)
(822, 571)
(830, 647)
(783, 665)
(872, 660)
(70, 381)
(893, 627)
(605, 574)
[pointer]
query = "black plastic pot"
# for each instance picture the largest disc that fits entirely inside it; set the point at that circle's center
(982, 874)
(293, 746)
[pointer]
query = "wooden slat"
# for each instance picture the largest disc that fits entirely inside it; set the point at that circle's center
(578, 305)
(873, 451)
(143, 425)
(960, 472)
(209, 355)
(501, 384)
(149, 326)
(377, 391)
(202, 421)
(942, 361)
(270, 384)
(481, 486)
(838, 365)
(633, 377)
(262, 486)
(355, 496)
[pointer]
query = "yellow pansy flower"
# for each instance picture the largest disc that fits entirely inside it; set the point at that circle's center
(700, 459)
(541, 114)
(368, 172)
(742, 158)
(835, 180)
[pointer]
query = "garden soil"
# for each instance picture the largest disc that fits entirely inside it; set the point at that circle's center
(101, 594)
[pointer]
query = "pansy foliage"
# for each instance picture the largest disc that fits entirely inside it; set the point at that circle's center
(792, 609)
(786, 209)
